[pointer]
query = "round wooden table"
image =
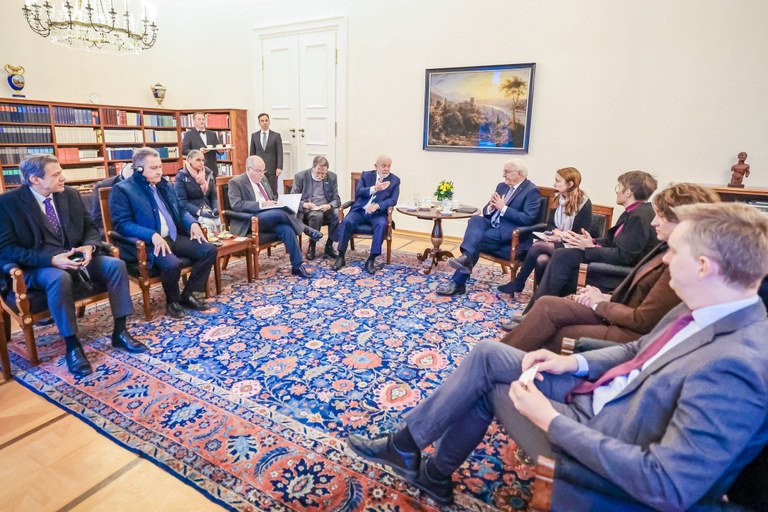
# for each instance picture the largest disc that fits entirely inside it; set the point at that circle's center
(436, 216)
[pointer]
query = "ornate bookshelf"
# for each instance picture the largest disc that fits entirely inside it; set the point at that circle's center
(94, 141)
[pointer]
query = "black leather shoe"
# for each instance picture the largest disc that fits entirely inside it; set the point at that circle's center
(451, 288)
(311, 251)
(512, 322)
(124, 341)
(461, 264)
(510, 288)
(330, 251)
(313, 234)
(174, 310)
(370, 267)
(192, 302)
(382, 450)
(339, 263)
(439, 490)
(300, 271)
(77, 362)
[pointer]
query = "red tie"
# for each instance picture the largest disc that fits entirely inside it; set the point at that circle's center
(263, 192)
(636, 362)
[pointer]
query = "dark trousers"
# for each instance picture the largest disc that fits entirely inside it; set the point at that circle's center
(537, 259)
(457, 414)
(277, 221)
(480, 236)
(356, 218)
(316, 219)
(59, 289)
(203, 257)
(561, 276)
(272, 180)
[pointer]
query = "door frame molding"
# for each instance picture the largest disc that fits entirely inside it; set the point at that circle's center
(339, 25)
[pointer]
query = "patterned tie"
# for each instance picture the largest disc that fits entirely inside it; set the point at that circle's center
(638, 361)
(496, 217)
(264, 141)
(172, 232)
(50, 214)
(263, 191)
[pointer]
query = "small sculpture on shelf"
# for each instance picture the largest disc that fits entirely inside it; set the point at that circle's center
(739, 171)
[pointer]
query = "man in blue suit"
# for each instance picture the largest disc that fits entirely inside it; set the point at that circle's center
(376, 192)
(145, 207)
(666, 422)
(514, 204)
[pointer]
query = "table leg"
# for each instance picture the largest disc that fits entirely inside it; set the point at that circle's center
(249, 262)
(435, 253)
(217, 274)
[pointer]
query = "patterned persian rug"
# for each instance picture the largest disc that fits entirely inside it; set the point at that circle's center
(250, 402)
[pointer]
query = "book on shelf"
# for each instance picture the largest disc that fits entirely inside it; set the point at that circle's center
(160, 120)
(171, 168)
(11, 176)
(120, 153)
(160, 136)
(212, 121)
(75, 135)
(85, 173)
(115, 116)
(71, 115)
(14, 156)
(25, 135)
(119, 135)
(10, 113)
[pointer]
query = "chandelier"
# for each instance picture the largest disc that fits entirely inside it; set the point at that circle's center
(91, 25)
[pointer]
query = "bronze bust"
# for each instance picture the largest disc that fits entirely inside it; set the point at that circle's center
(739, 171)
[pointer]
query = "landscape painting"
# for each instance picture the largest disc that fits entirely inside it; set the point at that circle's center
(483, 108)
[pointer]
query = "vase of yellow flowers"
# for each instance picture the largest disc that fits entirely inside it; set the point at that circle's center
(444, 191)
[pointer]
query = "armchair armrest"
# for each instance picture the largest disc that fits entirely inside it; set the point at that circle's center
(346, 204)
(530, 229)
(231, 214)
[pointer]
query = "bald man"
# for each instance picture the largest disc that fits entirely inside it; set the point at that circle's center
(376, 191)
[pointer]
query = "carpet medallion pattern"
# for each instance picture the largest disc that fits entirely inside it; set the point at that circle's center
(251, 401)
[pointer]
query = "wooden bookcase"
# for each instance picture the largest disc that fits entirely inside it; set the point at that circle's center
(93, 141)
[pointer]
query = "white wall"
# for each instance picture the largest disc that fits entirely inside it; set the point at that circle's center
(674, 88)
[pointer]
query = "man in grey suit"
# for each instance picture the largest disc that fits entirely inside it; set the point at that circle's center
(665, 422)
(269, 146)
(250, 193)
(203, 139)
(319, 189)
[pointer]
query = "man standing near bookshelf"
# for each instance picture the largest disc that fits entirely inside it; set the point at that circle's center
(269, 146)
(45, 229)
(203, 139)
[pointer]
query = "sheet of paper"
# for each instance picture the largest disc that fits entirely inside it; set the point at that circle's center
(528, 375)
(241, 239)
(290, 201)
(540, 234)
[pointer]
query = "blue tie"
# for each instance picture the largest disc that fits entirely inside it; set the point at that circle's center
(496, 217)
(165, 213)
(50, 214)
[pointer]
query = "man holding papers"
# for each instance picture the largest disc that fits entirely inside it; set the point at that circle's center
(320, 202)
(251, 193)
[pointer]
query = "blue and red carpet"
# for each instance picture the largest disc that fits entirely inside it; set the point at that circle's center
(250, 402)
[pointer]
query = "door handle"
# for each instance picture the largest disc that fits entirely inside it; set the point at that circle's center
(293, 132)
(302, 132)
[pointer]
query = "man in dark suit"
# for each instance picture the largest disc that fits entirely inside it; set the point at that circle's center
(268, 145)
(514, 204)
(319, 189)
(666, 422)
(203, 139)
(95, 208)
(145, 207)
(250, 193)
(45, 229)
(376, 192)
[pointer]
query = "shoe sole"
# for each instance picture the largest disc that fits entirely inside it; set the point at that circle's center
(458, 266)
(433, 496)
(406, 473)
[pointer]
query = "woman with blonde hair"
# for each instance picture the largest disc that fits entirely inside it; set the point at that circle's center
(570, 210)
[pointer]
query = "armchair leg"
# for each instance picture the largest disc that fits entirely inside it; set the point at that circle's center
(224, 262)
(145, 303)
(389, 251)
(29, 337)
(255, 255)
(7, 324)
(80, 311)
(352, 243)
(5, 359)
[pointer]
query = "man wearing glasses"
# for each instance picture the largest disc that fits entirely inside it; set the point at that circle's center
(515, 203)
(251, 193)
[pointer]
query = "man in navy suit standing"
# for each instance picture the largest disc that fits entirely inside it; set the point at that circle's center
(376, 192)
(514, 204)
(45, 229)
(268, 145)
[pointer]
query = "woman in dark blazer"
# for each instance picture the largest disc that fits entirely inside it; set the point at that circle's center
(195, 187)
(635, 306)
(570, 210)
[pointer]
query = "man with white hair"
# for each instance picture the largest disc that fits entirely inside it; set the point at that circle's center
(514, 204)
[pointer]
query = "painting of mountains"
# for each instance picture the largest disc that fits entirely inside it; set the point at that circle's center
(484, 108)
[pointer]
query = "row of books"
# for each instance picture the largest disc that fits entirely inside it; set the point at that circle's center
(84, 173)
(121, 117)
(71, 115)
(24, 114)
(171, 168)
(225, 169)
(12, 176)
(76, 155)
(159, 120)
(73, 134)
(227, 155)
(13, 156)
(169, 152)
(160, 136)
(25, 134)
(214, 121)
(123, 136)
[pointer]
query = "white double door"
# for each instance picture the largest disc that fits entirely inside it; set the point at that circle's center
(299, 93)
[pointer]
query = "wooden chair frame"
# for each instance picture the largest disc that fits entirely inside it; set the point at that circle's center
(144, 280)
(355, 177)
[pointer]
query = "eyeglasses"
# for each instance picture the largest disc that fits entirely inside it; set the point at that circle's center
(509, 172)
(256, 170)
